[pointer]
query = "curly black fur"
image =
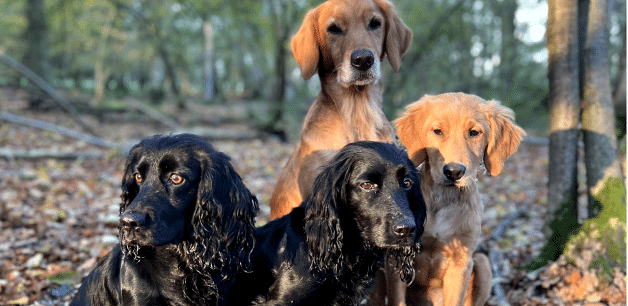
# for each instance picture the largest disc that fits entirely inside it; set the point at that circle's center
(327, 251)
(192, 238)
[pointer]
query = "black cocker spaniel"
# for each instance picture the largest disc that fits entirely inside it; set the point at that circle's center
(186, 228)
(365, 205)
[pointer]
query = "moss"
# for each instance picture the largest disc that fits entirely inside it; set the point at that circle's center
(604, 236)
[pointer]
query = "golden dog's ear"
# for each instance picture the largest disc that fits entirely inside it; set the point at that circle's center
(410, 128)
(398, 35)
(304, 45)
(503, 138)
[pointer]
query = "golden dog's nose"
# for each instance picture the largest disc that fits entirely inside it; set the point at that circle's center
(362, 59)
(454, 172)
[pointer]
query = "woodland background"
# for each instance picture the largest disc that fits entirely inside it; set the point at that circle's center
(127, 69)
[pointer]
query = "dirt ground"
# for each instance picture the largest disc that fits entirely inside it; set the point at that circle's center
(59, 216)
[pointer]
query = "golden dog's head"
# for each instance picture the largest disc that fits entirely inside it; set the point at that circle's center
(350, 38)
(455, 133)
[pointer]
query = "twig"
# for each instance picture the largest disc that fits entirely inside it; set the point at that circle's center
(58, 129)
(46, 153)
(41, 83)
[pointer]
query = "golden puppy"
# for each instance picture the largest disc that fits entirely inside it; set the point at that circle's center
(345, 41)
(453, 136)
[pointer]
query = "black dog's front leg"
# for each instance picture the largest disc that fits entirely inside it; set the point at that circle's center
(102, 285)
(293, 288)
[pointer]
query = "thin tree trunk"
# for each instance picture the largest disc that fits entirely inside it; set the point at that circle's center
(208, 33)
(619, 90)
(281, 37)
(102, 72)
(563, 72)
(598, 117)
(508, 52)
(36, 38)
(171, 73)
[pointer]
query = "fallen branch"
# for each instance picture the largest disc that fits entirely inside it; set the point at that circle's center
(46, 153)
(41, 83)
(223, 134)
(58, 129)
(150, 112)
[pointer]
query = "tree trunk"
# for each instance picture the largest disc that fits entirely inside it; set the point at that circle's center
(562, 44)
(619, 90)
(508, 53)
(208, 33)
(102, 72)
(598, 116)
(278, 7)
(172, 75)
(36, 38)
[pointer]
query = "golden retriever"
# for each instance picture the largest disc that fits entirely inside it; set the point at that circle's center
(451, 137)
(345, 42)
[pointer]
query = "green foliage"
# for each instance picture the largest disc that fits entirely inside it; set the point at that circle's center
(140, 48)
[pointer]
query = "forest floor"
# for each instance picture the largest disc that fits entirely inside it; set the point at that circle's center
(59, 216)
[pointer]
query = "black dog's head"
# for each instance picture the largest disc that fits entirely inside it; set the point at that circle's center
(369, 193)
(177, 190)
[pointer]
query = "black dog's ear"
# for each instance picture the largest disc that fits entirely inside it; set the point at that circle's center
(223, 220)
(129, 186)
(417, 203)
(322, 223)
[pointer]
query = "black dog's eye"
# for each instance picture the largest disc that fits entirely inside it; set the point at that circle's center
(334, 29)
(374, 24)
(139, 178)
(368, 186)
(176, 179)
(474, 133)
(438, 132)
(406, 184)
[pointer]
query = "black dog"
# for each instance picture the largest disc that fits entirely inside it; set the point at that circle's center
(186, 228)
(365, 205)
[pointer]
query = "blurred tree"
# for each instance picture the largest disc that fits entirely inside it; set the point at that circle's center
(36, 38)
(562, 44)
(206, 10)
(284, 16)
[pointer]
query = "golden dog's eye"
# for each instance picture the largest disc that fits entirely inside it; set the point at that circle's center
(474, 133)
(176, 179)
(139, 178)
(438, 132)
(334, 29)
(374, 24)
(368, 186)
(406, 184)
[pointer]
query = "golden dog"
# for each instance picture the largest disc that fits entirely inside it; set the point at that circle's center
(345, 41)
(453, 136)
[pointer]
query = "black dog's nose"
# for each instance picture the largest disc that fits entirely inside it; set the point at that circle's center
(362, 59)
(404, 230)
(131, 219)
(454, 172)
